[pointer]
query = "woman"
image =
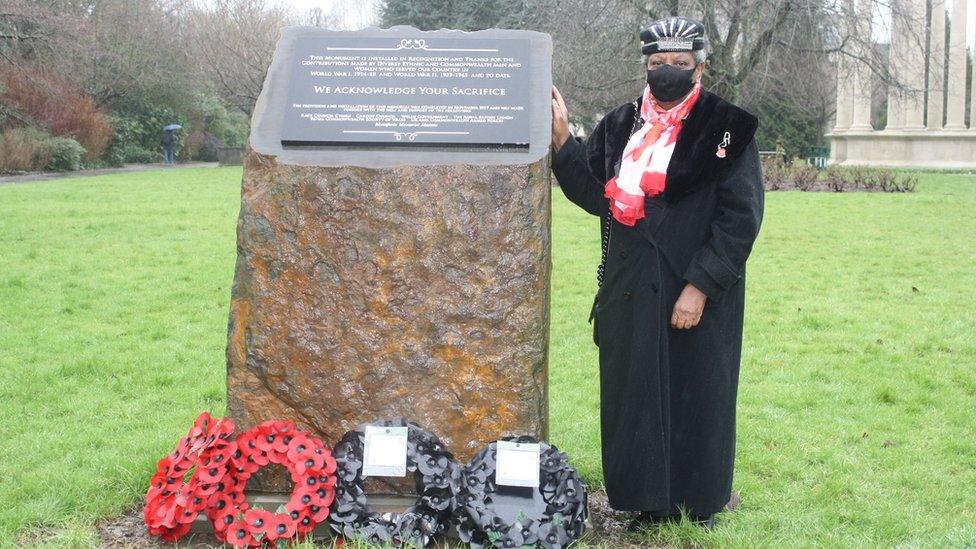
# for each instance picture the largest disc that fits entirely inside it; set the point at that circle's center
(675, 177)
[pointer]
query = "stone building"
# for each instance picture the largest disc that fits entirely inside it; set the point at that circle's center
(926, 114)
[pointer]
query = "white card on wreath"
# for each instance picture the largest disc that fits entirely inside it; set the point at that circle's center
(517, 463)
(385, 453)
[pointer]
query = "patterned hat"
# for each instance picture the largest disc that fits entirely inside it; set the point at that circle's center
(673, 34)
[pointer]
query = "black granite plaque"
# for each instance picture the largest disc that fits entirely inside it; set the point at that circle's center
(391, 91)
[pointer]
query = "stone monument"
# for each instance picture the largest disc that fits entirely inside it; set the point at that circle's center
(394, 236)
(926, 114)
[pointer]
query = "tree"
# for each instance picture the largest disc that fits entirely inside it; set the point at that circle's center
(597, 63)
(466, 15)
(234, 41)
(108, 48)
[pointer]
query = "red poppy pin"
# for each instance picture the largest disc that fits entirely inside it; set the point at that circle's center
(726, 139)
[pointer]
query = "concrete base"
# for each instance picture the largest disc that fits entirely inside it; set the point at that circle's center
(899, 148)
(381, 503)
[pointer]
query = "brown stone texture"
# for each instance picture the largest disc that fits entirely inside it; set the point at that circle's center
(363, 294)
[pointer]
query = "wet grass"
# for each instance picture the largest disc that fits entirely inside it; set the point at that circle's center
(855, 422)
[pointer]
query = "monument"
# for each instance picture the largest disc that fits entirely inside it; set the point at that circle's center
(394, 236)
(926, 120)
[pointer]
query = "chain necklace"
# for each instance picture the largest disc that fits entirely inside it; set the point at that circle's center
(605, 229)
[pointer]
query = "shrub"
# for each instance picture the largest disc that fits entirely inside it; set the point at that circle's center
(863, 178)
(772, 171)
(206, 114)
(238, 128)
(87, 126)
(134, 154)
(114, 154)
(141, 122)
(122, 137)
(805, 177)
(784, 175)
(836, 179)
(23, 149)
(65, 154)
(891, 182)
(202, 146)
(208, 148)
(57, 106)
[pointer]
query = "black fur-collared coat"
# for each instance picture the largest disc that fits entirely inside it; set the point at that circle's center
(667, 396)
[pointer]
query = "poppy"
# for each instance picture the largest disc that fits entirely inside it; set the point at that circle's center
(165, 515)
(330, 465)
(265, 437)
(185, 515)
(552, 462)
(219, 453)
(552, 535)
(211, 474)
(200, 425)
(204, 489)
(175, 533)
(301, 517)
(260, 457)
(308, 461)
(305, 525)
(280, 526)
(319, 513)
(431, 464)
(244, 443)
(191, 500)
(258, 521)
(218, 504)
(282, 441)
(183, 448)
(223, 518)
(238, 534)
(299, 445)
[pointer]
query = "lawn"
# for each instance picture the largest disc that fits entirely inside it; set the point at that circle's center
(855, 419)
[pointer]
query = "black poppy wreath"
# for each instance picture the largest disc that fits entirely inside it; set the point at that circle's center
(555, 524)
(220, 470)
(437, 477)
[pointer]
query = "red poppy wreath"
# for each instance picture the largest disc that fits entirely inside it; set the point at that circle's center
(208, 471)
(184, 478)
(311, 467)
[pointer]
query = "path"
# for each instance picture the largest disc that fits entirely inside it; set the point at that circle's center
(45, 176)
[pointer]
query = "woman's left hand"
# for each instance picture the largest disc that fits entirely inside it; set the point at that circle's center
(688, 309)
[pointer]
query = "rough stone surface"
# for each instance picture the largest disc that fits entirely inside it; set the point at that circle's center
(416, 291)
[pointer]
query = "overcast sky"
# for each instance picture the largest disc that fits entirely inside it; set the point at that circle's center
(357, 12)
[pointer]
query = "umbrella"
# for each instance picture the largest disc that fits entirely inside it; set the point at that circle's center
(172, 127)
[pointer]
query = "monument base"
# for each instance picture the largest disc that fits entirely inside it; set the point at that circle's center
(381, 503)
(946, 149)
(270, 501)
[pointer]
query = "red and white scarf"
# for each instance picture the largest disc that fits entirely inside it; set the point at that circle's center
(646, 157)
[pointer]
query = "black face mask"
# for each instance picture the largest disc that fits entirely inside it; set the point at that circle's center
(669, 83)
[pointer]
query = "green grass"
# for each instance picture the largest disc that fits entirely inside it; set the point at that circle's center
(855, 419)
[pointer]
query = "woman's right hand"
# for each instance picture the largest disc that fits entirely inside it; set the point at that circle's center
(560, 120)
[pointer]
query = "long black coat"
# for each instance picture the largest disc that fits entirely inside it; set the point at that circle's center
(667, 396)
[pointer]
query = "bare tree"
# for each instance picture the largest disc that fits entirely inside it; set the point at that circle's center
(341, 15)
(234, 41)
(596, 47)
(108, 48)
